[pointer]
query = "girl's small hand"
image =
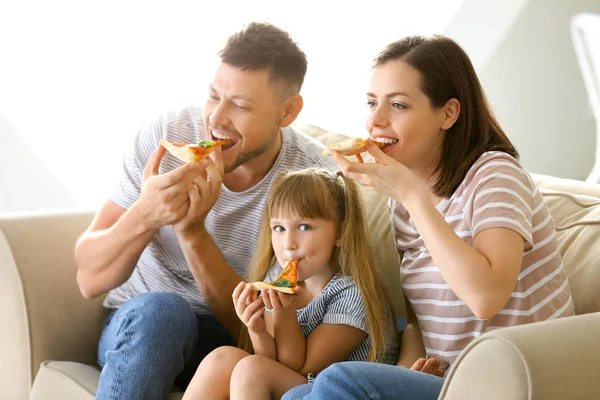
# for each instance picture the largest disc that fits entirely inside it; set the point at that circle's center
(386, 175)
(276, 300)
(249, 308)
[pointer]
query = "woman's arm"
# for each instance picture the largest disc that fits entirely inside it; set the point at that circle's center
(483, 276)
(411, 348)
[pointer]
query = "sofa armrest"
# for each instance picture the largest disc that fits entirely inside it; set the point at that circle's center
(545, 360)
(44, 317)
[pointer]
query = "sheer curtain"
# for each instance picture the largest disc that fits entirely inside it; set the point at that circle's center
(79, 74)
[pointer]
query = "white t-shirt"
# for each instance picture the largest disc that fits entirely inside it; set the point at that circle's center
(233, 222)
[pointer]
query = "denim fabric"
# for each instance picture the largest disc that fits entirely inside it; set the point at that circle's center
(362, 380)
(151, 342)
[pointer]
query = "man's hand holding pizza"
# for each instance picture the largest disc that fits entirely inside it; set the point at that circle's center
(164, 199)
(202, 194)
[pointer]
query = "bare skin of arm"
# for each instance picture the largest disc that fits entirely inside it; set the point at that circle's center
(484, 275)
(107, 252)
(214, 276)
(318, 351)
(412, 347)
(412, 351)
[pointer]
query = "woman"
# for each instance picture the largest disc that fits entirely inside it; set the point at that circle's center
(478, 243)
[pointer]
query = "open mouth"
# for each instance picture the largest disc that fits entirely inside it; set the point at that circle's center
(221, 136)
(387, 142)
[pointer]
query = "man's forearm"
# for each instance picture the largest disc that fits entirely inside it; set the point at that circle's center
(106, 258)
(214, 277)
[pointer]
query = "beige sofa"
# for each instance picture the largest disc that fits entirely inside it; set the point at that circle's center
(44, 317)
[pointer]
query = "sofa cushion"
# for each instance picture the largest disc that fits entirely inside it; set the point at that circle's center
(64, 380)
(566, 185)
(577, 219)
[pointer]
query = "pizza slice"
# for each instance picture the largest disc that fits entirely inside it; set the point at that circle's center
(285, 282)
(192, 152)
(350, 147)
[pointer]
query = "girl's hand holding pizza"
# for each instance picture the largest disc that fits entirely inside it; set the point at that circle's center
(275, 300)
(249, 308)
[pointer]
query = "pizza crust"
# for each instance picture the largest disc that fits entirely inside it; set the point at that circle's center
(182, 153)
(191, 152)
(289, 273)
(350, 147)
(266, 285)
(347, 147)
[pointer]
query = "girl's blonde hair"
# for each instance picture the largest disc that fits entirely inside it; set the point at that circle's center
(321, 194)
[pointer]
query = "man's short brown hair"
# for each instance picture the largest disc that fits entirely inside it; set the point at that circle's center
(265, 46)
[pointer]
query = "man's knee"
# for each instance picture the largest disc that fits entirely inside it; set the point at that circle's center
(160, 313)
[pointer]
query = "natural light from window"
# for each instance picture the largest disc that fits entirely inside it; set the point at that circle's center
(78, 78)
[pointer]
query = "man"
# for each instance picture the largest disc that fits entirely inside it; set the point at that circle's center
(174, 240)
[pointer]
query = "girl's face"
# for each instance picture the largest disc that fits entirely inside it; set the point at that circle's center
(401, 114)
(310, 241)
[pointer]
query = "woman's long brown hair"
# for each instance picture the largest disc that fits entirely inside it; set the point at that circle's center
(447, 73)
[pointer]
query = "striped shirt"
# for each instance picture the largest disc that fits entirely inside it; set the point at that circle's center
(233, 222)
(340, 303)
(496, 193)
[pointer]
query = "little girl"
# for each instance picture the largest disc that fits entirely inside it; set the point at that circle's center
(316, 217)
(478, 243)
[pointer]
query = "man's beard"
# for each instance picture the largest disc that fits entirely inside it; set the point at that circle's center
(243, 158)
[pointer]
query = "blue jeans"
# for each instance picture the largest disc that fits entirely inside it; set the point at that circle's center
(151, 342)
(364, 380)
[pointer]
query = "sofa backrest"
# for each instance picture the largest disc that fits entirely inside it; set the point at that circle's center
(574, 205)
(577, 220)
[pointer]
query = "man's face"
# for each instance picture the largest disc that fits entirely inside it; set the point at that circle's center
(242, 106)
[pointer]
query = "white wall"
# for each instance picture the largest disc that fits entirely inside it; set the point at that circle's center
(78, 73)
(25, 183)
(535, 86)
(94, 74)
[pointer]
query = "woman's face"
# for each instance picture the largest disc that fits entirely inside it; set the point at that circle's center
(401, 115)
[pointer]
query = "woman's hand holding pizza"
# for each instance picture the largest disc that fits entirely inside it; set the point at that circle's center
(386, 175)
(249, 308)
(164, 199)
